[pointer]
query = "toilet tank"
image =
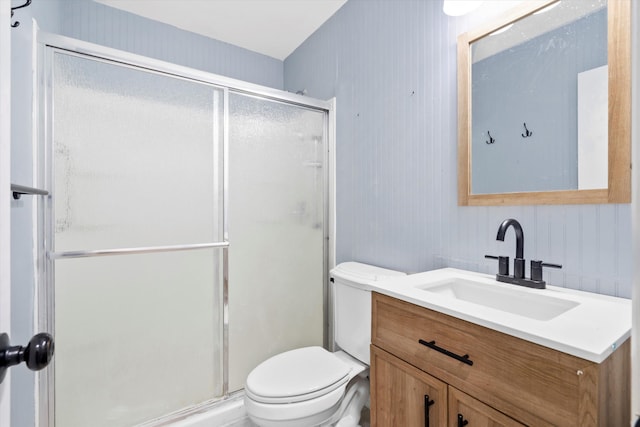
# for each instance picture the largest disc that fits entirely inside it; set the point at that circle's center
(351, 290)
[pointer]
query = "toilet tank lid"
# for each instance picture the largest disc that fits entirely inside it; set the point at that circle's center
(359, 272)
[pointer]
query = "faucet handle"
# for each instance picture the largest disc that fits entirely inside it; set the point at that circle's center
(503, 264)
(548, 264)
(536, 269)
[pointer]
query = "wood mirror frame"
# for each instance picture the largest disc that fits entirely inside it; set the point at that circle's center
(619, 61)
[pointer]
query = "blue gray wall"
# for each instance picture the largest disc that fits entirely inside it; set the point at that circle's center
(392, 66)
(96, 23)
(536, 83)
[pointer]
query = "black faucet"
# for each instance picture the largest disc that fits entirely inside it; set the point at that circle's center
(518, 263)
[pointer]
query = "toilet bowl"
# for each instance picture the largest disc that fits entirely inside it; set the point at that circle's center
(311, 386)
(303, 387)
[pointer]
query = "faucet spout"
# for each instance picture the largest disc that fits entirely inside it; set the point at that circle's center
(519, 235)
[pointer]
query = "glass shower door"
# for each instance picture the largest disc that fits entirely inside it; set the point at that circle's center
(186, 238)
(137, 170)
(276, 229)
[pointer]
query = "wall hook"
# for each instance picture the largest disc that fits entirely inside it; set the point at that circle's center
(27, 3)
(491, 139)
(527, 133)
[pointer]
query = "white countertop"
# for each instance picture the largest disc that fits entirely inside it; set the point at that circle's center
(592, 330)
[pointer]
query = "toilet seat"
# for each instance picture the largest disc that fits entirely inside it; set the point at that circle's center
(296, 376)
(282, 414)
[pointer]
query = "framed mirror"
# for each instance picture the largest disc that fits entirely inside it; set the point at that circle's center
(544, 105)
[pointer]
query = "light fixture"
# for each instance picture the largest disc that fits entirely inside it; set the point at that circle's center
(460, 7)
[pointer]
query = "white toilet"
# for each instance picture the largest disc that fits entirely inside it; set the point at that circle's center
(311, 386)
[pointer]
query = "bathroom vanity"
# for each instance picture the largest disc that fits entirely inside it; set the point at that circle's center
(431, 367)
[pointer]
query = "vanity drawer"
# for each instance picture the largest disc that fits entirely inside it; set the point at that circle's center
(531, 383)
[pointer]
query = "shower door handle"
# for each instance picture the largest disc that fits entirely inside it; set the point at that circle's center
(37, 354)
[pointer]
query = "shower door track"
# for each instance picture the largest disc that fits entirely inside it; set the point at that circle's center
(44, 44)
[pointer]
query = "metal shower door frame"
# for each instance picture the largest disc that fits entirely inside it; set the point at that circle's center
(45, 47)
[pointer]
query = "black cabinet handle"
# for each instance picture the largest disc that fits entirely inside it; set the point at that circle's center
(37, 354)
(461, 421)
(432, 345)
(427, 404)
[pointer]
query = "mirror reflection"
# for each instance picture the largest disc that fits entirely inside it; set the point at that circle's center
(539, 102)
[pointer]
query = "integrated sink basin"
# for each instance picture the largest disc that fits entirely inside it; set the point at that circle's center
(538, 307)
(584, 324)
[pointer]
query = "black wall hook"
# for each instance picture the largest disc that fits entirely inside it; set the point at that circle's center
(17, 23)
(527, 133)
(491, 139)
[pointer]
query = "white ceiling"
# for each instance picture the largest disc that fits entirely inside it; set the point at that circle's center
(272, 27)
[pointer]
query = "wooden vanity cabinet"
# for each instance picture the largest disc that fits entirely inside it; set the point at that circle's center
(504, 380)
(405, 395)
(476, 413)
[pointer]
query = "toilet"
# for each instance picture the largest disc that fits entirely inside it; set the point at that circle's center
(311, 386)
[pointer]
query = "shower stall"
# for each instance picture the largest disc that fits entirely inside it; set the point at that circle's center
(186, 236)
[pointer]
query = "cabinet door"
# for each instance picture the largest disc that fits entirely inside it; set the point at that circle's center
(402, 395)
(463, 407)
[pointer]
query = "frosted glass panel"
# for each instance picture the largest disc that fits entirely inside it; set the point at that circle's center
(275, 229)
(137, 162)
(137, 336)
(137, 157)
